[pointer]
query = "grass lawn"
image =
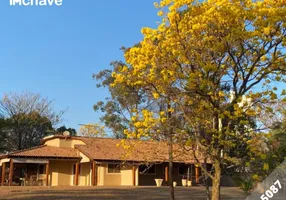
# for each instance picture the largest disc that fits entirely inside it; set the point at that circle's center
(108, 193)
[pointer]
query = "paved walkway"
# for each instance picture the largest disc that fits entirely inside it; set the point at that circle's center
(108, 193)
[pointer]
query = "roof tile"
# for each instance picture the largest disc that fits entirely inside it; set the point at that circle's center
(47, 151)
(139, 151)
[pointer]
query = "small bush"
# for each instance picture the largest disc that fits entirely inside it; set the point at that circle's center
(246, 185)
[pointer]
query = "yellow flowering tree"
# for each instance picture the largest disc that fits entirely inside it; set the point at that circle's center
(216, 62)
(92, 130)
(119, 107)
(136, 112)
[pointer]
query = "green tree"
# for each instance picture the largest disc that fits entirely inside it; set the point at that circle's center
(127, 105)
(29, 117)
(118, 108)
(62, 129)
(279, 136)
(3, 136)
(27, 130)
(277, 139)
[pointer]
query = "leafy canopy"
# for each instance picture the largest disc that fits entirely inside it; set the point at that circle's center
(216, 63)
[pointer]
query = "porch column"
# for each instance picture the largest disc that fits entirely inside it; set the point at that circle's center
(3, 173)
(197, 175)
(134, 175)
(76, 172)
(47, 173)
(167, 173)
(11, 172)
(189, 178)
(94, 174)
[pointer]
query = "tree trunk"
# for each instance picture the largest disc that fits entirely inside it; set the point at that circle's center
(216, 181)
(170, 151)
(207, 190)
(171, 186)
(207, 186)
(19, 140)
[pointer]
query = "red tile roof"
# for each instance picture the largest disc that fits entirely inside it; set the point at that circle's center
(47, 151)
(109, 149)
(139, 151)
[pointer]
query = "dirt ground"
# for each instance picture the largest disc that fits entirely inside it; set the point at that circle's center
(108, 193)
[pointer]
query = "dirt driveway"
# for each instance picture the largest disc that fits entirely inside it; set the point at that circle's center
(108, 193)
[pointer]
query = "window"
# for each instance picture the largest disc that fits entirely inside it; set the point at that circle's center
(41, 169)
(147, 169)
(113, 169)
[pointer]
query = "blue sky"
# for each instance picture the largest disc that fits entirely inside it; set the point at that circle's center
(55, 50)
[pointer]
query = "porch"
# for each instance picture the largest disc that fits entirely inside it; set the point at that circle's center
(110, 173)
(188, 172)
(42, 165)
(25, 172)
(38, 172)
(68, 172)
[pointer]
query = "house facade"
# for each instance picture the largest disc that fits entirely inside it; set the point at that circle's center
(66, 161)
